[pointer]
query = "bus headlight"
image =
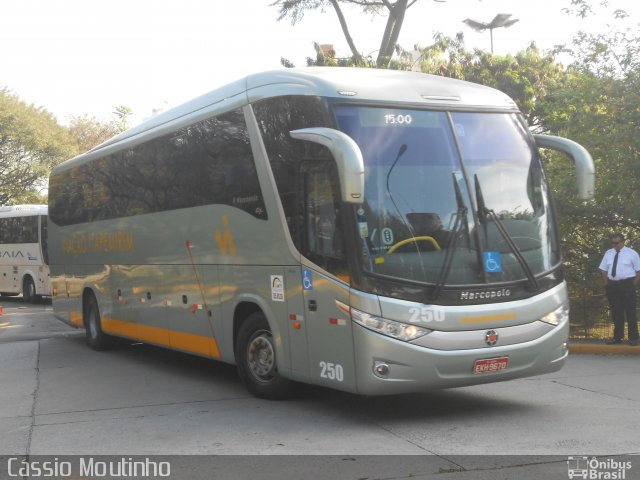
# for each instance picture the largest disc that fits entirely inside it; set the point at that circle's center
(390, 328)
(558, 316)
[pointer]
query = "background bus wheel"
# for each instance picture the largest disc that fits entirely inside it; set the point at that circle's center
(28, 290)
(96, 338)
(256, 359)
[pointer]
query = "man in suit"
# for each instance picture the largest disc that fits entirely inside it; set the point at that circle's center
(620, 269)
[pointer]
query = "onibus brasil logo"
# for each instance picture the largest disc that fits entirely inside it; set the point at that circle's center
(597, 468)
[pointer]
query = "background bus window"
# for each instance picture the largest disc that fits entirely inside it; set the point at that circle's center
(44, 239)
(19, 230)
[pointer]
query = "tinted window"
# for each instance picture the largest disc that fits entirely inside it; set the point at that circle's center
(418, 203)
(19, 230)
(323, 235)
(276, 118)
(44, 239)
(306, 178)
(209, 162)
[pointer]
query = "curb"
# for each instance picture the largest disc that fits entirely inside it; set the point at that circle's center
(602, 349)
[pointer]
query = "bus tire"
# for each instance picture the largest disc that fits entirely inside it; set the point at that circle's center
(256, 359)
(96, 338)
(29, 290)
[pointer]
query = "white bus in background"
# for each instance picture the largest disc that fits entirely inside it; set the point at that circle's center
(24, 266)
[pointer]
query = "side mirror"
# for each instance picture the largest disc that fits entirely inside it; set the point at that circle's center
(585, 169)
(347, 155)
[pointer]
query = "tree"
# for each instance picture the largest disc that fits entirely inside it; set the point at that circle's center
(122, 113)
(31, 143)
(527, 77)
(394, 11)
(598, 105)
(89, 131)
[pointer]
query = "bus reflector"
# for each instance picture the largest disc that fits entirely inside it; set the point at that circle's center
(196, 306)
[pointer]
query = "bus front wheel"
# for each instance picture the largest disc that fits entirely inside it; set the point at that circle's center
(256, 359)
(29, 290)
(96, 338)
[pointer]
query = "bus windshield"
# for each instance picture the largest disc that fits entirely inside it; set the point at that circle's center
(430, 179)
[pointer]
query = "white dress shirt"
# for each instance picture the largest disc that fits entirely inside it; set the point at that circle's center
(628, 263)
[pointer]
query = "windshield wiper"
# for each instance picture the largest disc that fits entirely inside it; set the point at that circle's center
(461, 220)
(485, 213)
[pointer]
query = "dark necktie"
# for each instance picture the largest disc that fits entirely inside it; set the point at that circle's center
(615, 264)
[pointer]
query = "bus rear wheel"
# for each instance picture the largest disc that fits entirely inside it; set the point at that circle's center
(96, 338)
(256, 359)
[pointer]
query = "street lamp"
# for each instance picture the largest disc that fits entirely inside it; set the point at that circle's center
(500, 20)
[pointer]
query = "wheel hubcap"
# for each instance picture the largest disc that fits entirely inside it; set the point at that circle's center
(92, 325)
(261, 356)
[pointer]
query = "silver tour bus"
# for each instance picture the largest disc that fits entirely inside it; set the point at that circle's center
(376, 232)
(23, 252)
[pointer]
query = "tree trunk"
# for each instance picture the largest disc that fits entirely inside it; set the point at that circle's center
(392, 32)
(345, 29)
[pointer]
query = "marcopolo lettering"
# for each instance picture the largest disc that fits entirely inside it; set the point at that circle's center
(484, 294)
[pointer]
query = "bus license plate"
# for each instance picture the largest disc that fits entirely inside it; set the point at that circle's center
(490, 365)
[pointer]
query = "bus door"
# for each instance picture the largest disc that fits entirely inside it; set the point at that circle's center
(329, 331)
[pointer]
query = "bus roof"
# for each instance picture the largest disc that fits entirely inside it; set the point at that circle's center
(23, 210)
(362, 84)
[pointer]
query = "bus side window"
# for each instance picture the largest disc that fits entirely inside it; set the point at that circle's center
(323, 236)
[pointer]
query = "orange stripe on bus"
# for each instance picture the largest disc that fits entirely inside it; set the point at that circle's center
(75, 318)
(195, 343)
(187, 342)
(489, 318)
(118, 327)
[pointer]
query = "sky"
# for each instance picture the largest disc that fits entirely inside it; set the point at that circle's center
(77, 57)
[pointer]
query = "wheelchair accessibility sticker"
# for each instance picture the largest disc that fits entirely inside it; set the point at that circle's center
(492, 262)
(307, 279)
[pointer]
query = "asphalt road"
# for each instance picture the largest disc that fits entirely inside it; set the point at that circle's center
(58, 397)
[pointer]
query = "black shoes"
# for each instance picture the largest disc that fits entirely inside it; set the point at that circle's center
(633, 343)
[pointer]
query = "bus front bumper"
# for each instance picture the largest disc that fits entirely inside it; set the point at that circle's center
(387, 366)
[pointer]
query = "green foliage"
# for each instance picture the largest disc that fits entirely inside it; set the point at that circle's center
(31, 143)
(528, 77)
(89, 131)
(601, 111)
(599, 107)
(122, 114)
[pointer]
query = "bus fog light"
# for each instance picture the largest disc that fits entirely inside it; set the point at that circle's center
(381, 369)
(565, 347)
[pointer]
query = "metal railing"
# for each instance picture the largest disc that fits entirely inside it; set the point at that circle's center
(590, 318)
